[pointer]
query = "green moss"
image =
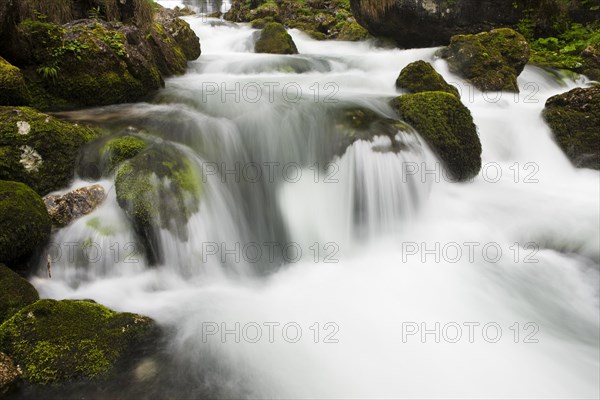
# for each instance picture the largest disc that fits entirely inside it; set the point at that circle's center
(52, 145)
(352, 31)
(57, 341)
(274, 39)
(447, 126)
(574, 118)
(491, 61)
(13, 90)
(420, 76)
(120, 149)
(25, 223)
(260, 23)
(15, 293)
(159, 188)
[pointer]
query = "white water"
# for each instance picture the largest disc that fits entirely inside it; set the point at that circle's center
(375, 286)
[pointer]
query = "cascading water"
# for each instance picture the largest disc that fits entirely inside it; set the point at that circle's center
(363, 223)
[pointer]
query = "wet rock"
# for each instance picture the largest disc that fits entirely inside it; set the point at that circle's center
(274, 39)
(65, 208)
(574, 118)
(448, 128)
(15, 293)
(491, 61)
(25, 224)
(13, 90)
(9, 374)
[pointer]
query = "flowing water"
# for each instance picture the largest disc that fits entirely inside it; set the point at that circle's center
(369, 244)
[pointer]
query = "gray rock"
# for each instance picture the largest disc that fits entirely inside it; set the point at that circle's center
(63, 209)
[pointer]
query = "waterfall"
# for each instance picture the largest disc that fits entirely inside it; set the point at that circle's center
(332, 240)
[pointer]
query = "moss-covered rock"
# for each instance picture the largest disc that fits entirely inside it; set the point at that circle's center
(420, 76)
(274, 39)
(89, 62)
(38, 149)
(57, 341)
(352, 31)
(158, 188)
(591, 62)
(491, 61)
(121, 149)
(13, 90)
(447, 126)
(15, 293)
(260, 23)
(574, 118)
(179, 30)
(24, 225)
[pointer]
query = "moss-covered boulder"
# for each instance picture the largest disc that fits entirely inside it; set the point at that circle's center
(158, 188)
(274, 39)
(448, 128)
(420, 76)
(491, 61)
(13, 90)
(591, 62)
(15, 293)
(88, 63)
(38, 149)
(120, 149)
(24, 225)
(260, 23)
(58, 341)
(352, 31)
(574, 118)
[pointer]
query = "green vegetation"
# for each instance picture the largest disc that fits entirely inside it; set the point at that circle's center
(57, 341)
(25, 224)
(420, 76)
(38, 149)
(15, 293)
(274, 39)
(447, 126)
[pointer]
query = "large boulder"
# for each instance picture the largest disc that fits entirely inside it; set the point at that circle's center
(25, 224)
(274, 39)
(59, 341)
(158, 189)
(64, 208)
(13, 90)
(15, 293)
(426, 23)
(491, 61)
(121, 55)
(574, 118)
(420, 76)
(38, 149)
(448, 128)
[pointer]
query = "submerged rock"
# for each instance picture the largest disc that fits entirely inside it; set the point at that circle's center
(491, 61)
(15, 294)
(274, 39)
(25, 224)
(9, 373)
(60, 341)
(420, 76)
(574, 118)
(65, 208)
(158, 188)
(13, 90)
(38, 149)
(447, 127)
